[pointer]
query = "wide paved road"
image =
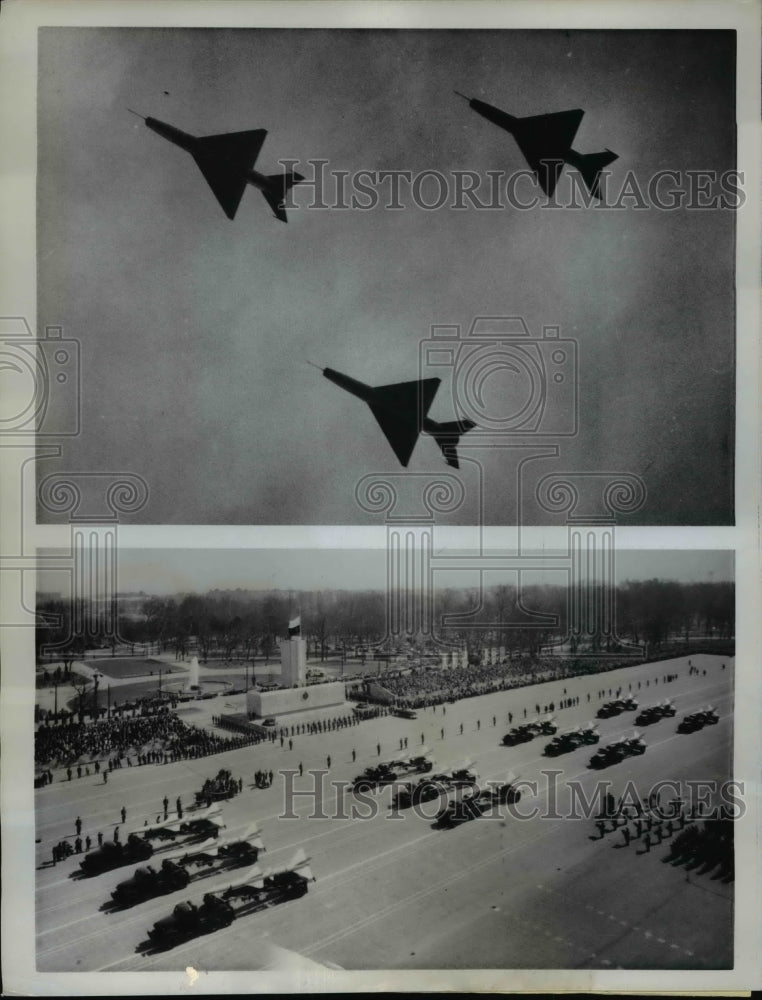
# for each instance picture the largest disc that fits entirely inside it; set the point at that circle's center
(500, 892)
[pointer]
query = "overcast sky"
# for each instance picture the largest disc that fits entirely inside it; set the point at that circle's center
(195, 331)
(172, 571)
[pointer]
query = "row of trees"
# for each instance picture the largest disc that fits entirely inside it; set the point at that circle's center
(245, 624)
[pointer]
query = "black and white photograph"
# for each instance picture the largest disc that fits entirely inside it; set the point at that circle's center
(516, 247)
(380, 490)
(248, 767)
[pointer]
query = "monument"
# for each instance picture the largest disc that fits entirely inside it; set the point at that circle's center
(293, 662)
(294, 695)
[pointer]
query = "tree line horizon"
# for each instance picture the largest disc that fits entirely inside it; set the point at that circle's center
(246, 623)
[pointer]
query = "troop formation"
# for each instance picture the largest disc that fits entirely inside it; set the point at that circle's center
(704, 845)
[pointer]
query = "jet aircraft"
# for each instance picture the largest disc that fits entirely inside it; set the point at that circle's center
(401, 410)
(227, 162)
(546, 144)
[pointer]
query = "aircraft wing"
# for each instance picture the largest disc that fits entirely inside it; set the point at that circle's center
(209, 846)
(225, 161)
(299, 862)
(545, 140)
(400, 410)
(252, 877)
(251, 831)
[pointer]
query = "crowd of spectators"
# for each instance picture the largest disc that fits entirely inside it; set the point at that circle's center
(153, 734)
(423, 686)
(144, 738)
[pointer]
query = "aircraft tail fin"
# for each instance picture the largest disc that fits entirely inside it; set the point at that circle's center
(277, 188)
(447, 436)
(591, 165)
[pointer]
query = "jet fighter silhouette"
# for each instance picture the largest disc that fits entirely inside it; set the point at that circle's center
(401, 410)
(546, 144)
(227, 162)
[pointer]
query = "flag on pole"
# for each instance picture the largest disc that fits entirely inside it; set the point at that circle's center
(295, 627)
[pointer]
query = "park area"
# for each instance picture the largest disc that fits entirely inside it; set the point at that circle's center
(118, 667)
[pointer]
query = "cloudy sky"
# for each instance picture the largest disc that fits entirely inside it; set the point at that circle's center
(172, 571)
(195, 331)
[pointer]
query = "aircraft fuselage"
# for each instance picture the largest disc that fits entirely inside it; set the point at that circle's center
(189, 143)
(369, 395)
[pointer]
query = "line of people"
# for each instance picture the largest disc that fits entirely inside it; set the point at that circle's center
(704, 845)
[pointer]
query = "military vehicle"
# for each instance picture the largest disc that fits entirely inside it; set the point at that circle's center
(244, 850)
(616, 707)
(461, 810)
(691, 723)
(149, 882)
(114, 855)
(709, 715)
(458, 775)
(223, 786)
(273, 886)
(410, 794)
(188, 920)
(653, 713)
(529, 730)
(613, 753)
(477, 802)
(388, 772)
(571, 740)
(519, 734)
